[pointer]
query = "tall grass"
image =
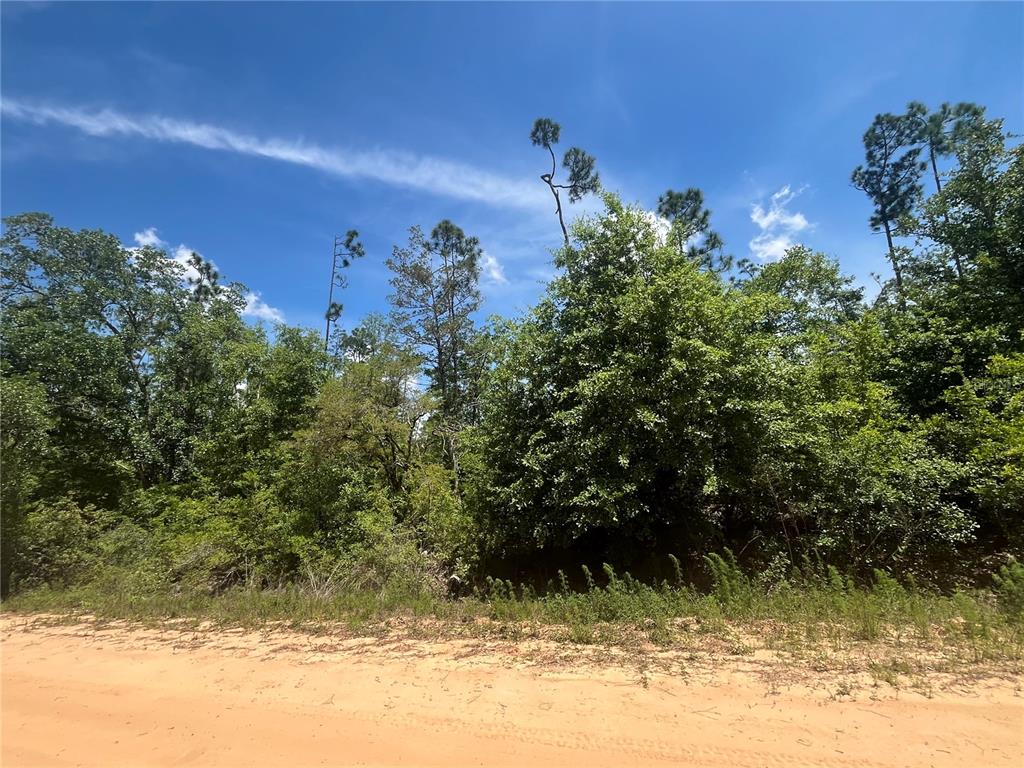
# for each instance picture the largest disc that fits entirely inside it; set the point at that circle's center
(822, 609)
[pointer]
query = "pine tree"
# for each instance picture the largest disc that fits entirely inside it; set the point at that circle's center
(940, 132)
(890, 178)
(436, 292)
(691, 222)
(580, 166)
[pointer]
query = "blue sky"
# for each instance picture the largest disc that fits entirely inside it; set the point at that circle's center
(252, 133)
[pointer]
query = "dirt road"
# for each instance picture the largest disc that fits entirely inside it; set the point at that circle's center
(85, 695)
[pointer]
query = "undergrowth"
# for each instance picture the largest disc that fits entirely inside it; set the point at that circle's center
(739, 613)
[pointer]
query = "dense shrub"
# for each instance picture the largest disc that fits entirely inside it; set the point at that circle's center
(56, 544)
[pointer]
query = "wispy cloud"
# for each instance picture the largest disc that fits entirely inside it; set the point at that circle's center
(778, 225)
(429, 174)
(256, 307)
(492, 269)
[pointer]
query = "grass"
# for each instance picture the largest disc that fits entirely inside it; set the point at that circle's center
(894, 632)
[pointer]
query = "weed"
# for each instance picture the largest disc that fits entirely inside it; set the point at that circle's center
(825, 616)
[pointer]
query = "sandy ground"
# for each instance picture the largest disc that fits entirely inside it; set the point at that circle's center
(88, 694)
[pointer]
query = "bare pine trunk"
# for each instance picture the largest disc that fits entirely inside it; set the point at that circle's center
(896, 268)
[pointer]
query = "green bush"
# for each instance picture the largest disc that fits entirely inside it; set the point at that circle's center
(56, 544)
(445, 526)
(1009, 589)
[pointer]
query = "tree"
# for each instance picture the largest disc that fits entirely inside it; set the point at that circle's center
(194, 384)
(253, 397)
(978, 219)
(204, 282)
(86, 315)
(817, 296)
(142, 362)
(348, 250)
(436, 292)
(691, 228)
(984, 429)
(602, 414)
(25, 449)
(890, 178)
(940, 130)
(955, 322)
(580, 167)
(370, 415)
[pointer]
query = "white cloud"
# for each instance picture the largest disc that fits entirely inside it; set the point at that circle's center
(149, 237)
(492, 269)
(777, 215)
(770, 248)
(256, 307)
(778, 225)
(429, 174)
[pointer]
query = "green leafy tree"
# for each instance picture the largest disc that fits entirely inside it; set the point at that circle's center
(204, 282)
(957, 321)
(256, 396)
(24, 455)
(372, 414)
(984, 430)
(940, 130)
(817, 295)
(977, 219)
(602, 410)
(86, 316)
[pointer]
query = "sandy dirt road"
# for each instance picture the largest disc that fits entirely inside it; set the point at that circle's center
(114, 696)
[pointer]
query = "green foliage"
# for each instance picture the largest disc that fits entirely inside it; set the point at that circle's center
(54, 544)
(24, 444)
(545, 133)
(599, 413)
(445, 526)
(436, 283)
(691, 228)
(436, 293)
(890, 178)
(1009, 587)
(159, 448)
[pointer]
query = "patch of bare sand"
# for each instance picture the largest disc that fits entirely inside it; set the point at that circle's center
(113, 695)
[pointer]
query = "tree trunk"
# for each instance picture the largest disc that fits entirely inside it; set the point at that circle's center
(938, 188)
(896, 268)
(549, 179)
(455, 462)
(330, 299)
(935, 168)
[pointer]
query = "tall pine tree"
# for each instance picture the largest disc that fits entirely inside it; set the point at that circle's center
(890, 177)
